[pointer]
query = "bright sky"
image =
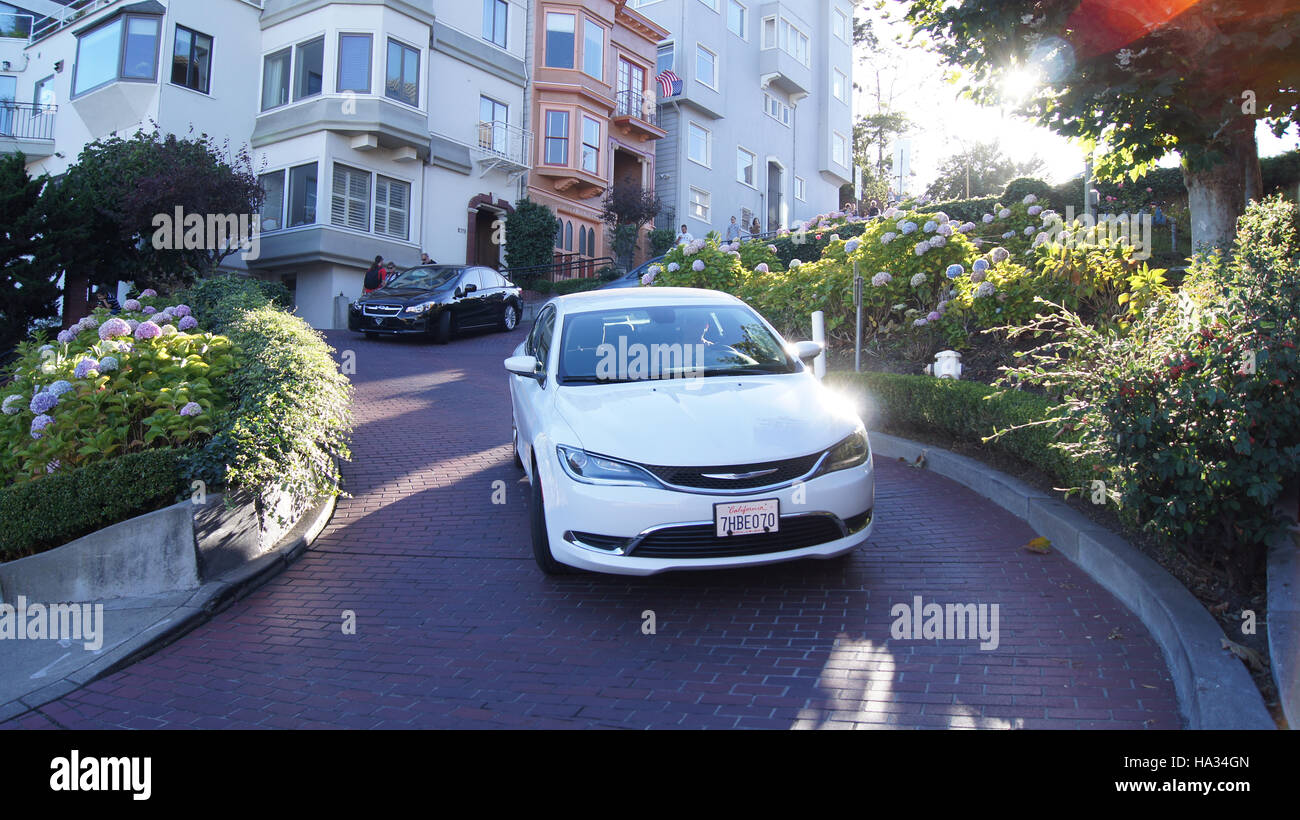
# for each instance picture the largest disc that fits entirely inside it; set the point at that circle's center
(945, 121)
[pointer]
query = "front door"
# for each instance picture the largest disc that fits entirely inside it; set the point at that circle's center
(486, 251)
(774, 197)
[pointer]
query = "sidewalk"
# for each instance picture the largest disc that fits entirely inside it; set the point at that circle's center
(35, 672)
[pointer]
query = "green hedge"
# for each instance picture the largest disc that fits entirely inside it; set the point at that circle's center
(58, 508)
(815, 242)
(967, 411)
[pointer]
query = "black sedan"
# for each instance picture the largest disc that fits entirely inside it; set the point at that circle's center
(436, 301)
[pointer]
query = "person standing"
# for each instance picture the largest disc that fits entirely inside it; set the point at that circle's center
(375, 276)
(684, 236)
(733, 231)
(755, 229)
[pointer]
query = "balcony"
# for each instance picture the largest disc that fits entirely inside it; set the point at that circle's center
(779, 69)
(503, 147)
(636, 115)
(27, 127)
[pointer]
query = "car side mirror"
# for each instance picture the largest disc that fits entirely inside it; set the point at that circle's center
(470, 289)
(527, 366)
(806, 351)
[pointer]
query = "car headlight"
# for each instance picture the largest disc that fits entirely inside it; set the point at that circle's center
(851, 452)
(355, 305)
(420, 308)
(590, 468)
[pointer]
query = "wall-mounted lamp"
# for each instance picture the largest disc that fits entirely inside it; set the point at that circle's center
(4, 66)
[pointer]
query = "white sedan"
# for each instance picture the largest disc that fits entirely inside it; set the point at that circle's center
(673, 428)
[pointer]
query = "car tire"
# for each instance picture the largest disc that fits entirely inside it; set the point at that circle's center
(514, 441)
(509, 318)
(537, 527)
(442, 330)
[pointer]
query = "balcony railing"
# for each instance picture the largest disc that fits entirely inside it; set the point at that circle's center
(76, 10)
(564, 266)
(632, 103)
(504, 145)
(18, 26)
(30, 121)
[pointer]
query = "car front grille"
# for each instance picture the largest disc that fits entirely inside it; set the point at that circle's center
(702, 540)
(381, 310)
(737, 476)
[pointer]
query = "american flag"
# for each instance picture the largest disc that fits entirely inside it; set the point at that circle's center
(670, 85)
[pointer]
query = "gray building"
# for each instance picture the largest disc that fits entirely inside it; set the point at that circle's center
(762, 124)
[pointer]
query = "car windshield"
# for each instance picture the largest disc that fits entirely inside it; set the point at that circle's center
(666, 342)
(425, 278)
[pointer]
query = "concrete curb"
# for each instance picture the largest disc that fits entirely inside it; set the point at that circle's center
(1214, 689)
(208, 600)
(1284, 611)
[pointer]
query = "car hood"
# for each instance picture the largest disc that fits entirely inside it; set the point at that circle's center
(403, 295)
(711, 421)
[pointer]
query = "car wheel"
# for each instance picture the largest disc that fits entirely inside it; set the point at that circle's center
(537, 524)
(442, 331)
(519, 462)
(509, 318)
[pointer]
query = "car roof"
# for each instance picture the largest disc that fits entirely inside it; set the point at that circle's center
(616, 298)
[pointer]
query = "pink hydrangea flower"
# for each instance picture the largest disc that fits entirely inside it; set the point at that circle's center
(188, 322)
(114, 327)
(191, 409)
(148, 330)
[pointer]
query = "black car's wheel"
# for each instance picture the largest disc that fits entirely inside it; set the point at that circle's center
(537, 524)
(519, 462)
(509, 318)
(442, 328)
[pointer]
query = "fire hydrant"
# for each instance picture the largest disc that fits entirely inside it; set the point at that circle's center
(947, 365)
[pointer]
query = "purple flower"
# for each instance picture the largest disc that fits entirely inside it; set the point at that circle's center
(188, 322)
(181, 310)
(66, 336)
(147, 330)
(697, 265)
(43, 402)
(60, 387)
(40, 423)
(114, 327)
(934, 316)
(51, 466)
(922, 322)
(85, 367)
(149, 310)
(191, 409)
(12, 404)
(133, 324)
(148, 292)
(131, 304)
(162, 318)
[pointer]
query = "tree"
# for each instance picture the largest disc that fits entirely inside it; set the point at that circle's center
(1138, 80)
(114, 196)
(28, 283)
(530, 235)
(875, 131)
(979, 169)
(627, 208)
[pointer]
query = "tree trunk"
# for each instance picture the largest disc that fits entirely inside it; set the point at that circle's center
(1217, 195)
(76, 304)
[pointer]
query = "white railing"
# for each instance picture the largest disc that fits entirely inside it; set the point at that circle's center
(16, 25)
(45, 26)
(507, 142)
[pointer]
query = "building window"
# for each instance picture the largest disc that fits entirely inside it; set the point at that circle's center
(192, 60)
(493, 118)
(590, 145)
(840, 85)
(769, 32)
(776, 109)
(496, 13)
(272, 201)
(43, 95)
(403, 82)
(745, 166)
(350, 198)
(706, 66)
(697, 144)
(302, 195)
(738, 19)
(631, 97)
(125, 48)
(582, 239)
(559, 40)
(839, 149)
(700, 204)
(593, 50)
(799, 191)
(840, 25)
(309, 69)
(568, 236)
(557, 138)
(392, 207)
(664, 59)
(354, 63)
(781, 33)
(275, 78)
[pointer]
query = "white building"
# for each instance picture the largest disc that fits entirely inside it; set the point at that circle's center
(763, 125)
(380, 127)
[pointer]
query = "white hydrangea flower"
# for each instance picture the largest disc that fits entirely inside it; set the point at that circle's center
(1035, 210)
(938, 241)
(697, 265)
(1004, 213)
(673, 267)
(1030, 199)
(930, 226)
(945, 229)
(941, 217)
(1008, 234)
(987, 218)
(881, 279)
(885, 239)
(921, 248)
(984, 289)
(918, 280)
(1029, 229)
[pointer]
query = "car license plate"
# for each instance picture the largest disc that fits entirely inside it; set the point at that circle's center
(747, 517)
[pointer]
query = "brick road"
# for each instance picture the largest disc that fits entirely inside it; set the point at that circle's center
(457, 628)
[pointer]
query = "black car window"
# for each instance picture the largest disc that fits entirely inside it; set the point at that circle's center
(426, 278)
(471, 277)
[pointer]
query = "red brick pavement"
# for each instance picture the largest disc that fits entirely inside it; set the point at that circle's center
(456, 627)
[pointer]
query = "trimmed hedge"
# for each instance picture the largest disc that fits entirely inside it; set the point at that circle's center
(968, 411)
(58, 508)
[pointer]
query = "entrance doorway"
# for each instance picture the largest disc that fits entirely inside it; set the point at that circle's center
(774, 201)
(486, 252)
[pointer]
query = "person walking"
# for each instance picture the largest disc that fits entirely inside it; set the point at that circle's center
(733, 231)
(375, 276)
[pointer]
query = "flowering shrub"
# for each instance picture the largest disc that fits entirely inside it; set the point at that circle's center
(701, 264)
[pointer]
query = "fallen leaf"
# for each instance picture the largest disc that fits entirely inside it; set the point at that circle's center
(1039, 545)
(1250, 656)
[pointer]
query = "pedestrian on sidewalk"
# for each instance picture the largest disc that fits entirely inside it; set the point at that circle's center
(376, 275)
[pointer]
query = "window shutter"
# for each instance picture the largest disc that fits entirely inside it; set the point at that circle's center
(392, 206)
(350, 198)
